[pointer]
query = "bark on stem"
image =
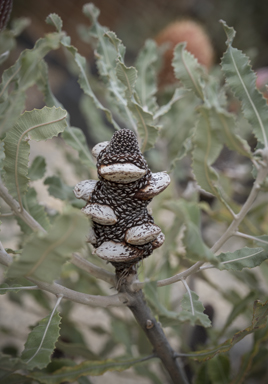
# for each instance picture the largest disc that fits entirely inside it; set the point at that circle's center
(155, 334)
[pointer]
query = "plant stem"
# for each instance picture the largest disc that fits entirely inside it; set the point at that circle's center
(93, 269)
(136, 285)
(262, 173)
(116, 300)
(154, 333)
(254, 238)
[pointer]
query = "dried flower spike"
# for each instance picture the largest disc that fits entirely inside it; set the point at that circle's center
(198, 43)
(123, 231)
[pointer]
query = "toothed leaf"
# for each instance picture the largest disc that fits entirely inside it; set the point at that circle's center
(207, 148)
(242, 81)
(148, 132)
(195, 316)
(242, 258)
(39, 124)
(146, 84)
(127, 76)
(188, 70)
(40, 358)
(22, 75)
(54, 20)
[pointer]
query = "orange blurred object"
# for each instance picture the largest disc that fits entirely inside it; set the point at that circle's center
(198, 43)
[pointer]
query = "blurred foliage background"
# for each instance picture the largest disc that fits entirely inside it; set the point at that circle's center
(134, 21)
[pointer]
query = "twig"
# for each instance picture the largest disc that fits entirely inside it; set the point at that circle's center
(93, 270)
(116, 300)
(7, 214)
(137, 285)
(57, 289)
(29, 288)
(246, 236)
(232, 229)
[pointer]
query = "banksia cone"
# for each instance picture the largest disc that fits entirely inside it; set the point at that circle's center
(198, 44)
(123, 232)
(5, 11)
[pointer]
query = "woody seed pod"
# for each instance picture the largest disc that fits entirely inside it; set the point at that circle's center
(123, 231)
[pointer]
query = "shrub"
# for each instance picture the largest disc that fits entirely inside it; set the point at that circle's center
(218, 165)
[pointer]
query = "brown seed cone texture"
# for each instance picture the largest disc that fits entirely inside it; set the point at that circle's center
(112, 198)
(5, 11)
(198, 43)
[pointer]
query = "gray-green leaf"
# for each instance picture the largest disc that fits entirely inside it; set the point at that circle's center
(242, 81)
(224, 124)
(39, 124)
(43, 356)
(189, 215)
(128, 77)
(36, 210)
(146, 84)
(198, 317)
(147, 129)
(188, 70)
(22, 75)
(55, 20)
(38, 168)
(207, 148)
(44, 255)
(77, 140)
(242, 258)
(58, 189)
(178, 94)
(219, 369)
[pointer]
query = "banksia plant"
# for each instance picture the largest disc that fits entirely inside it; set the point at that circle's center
(198, 43)
(123, 231)
(51, 254)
